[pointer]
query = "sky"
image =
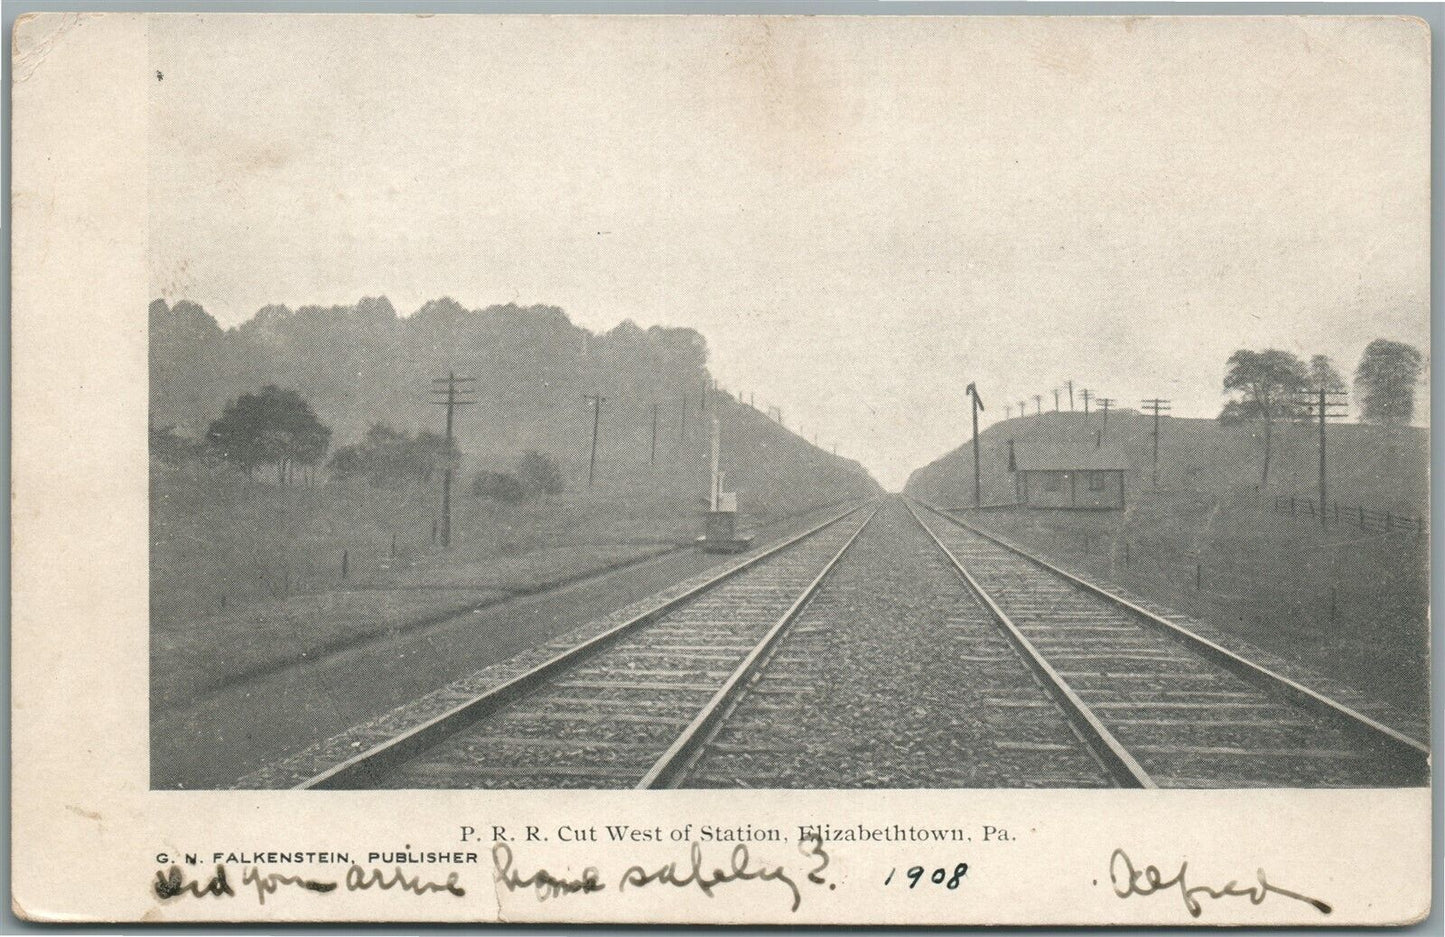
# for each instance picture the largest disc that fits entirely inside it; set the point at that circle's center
(862, 215)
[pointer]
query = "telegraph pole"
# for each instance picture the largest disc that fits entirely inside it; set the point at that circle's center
(1087, 395)
(1070, 385)
(652, 457)
(1038, 404)
(1156, 406)
(1056, 400)
(1008, 411)
(451, 403)
(1104, 402)
(1323, 487)
(597, 401)
(977, 405)
(1023, 409)
(1319, 401)
(715, 485)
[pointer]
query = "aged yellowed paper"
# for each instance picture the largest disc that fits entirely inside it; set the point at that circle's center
(749, 469)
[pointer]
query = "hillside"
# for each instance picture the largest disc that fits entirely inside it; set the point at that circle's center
(1385, 468)
(361, 364)
(221, 540)
(1209, 541)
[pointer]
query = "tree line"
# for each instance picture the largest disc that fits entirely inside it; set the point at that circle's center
(360, 364)
(1273, 385)
(276, 427)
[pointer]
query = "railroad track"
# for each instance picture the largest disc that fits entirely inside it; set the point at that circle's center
(1160, 705)
(626, 708)
(895, 676)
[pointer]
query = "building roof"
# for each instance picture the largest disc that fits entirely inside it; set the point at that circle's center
(1050, 455)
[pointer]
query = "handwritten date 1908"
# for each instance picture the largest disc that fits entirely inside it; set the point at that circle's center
(939, 876)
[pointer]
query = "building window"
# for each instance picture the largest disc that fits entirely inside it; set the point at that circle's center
(1098, 481)
(1053, 481)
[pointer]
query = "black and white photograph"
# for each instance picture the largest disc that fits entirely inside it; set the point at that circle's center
(778, 467)
(1005, 408)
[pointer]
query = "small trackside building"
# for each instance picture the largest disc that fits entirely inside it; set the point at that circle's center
(1068, 477)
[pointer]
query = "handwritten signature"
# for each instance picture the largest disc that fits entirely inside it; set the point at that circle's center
(1128, 881)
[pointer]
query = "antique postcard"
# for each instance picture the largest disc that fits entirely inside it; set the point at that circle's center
(721, 469)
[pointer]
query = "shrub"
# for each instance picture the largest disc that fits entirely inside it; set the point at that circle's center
(499, 486)
(540, 472)
(388, 457)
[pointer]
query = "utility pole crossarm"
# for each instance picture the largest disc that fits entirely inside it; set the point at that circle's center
(1156, 406)
(1104, 404)
(1323, 403)
(451, 403)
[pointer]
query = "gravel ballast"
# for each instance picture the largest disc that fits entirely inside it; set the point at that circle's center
(895, 676)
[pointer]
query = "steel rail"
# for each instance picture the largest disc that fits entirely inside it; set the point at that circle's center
(362, 770)
(1413, 751)
(1110, 752)
(670, 769)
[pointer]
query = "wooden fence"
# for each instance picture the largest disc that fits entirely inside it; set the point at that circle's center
(1356, 515)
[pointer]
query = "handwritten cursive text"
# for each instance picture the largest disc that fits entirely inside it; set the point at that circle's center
(740, 870)
(1129, 881)
(543, 882)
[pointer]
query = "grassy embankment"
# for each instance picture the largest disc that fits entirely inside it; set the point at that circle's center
(1209, 542)
(246, 576)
